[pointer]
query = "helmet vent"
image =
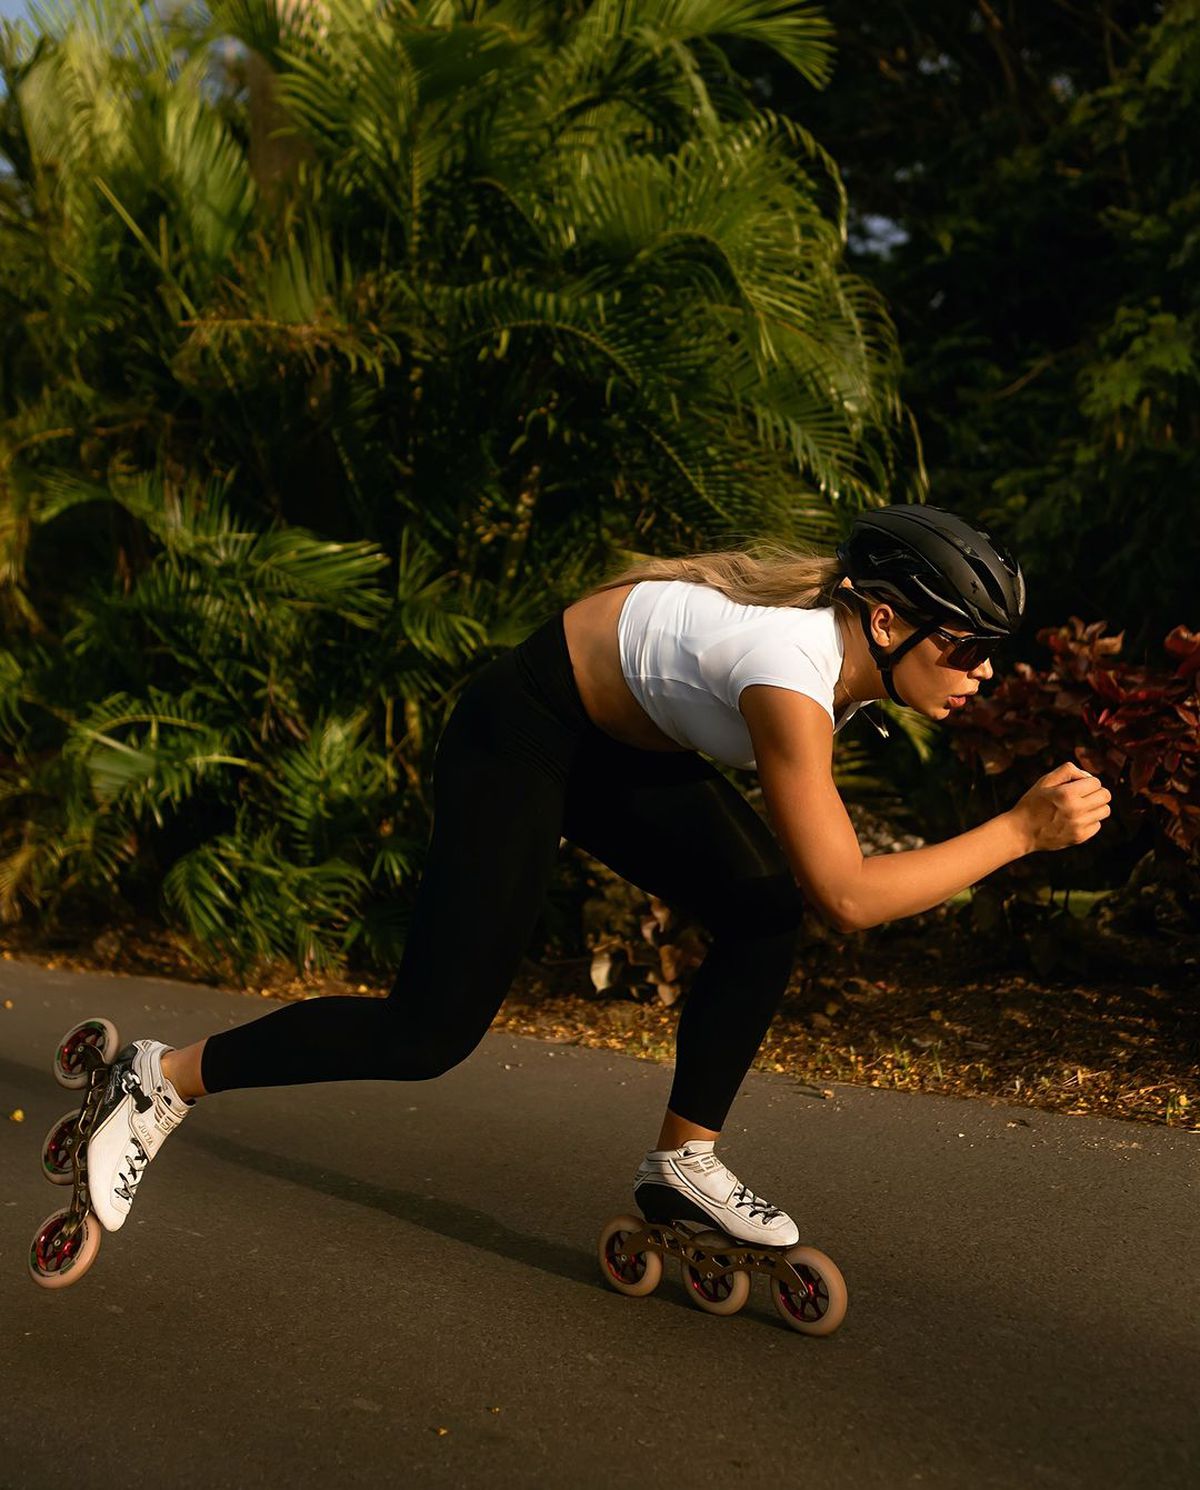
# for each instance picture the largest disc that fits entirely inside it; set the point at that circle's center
(994, 589)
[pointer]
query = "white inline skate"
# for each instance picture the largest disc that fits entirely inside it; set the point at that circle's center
(102, 1148)
(694, 1209)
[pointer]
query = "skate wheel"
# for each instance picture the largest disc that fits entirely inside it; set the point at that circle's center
(724, 1294)
(632, 1273)
(57, 1258)
(58, 1150)
(815, 1304)
(100, 1034)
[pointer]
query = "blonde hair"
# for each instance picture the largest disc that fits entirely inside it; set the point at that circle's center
(765, 573)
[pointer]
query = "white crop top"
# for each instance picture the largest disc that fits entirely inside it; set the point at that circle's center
(687, 651)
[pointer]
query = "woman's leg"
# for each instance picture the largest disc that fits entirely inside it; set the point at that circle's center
(675, 827)
(182, 1069)
(669, 823)
(499, 775)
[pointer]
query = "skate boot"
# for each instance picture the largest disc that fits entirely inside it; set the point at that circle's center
(691, 1184)
(139, 1110)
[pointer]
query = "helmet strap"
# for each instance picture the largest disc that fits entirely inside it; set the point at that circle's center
(886, 661)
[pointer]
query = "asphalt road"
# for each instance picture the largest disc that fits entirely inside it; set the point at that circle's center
(315, 1280)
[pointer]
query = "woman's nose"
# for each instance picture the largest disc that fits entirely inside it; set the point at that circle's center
(983, 672)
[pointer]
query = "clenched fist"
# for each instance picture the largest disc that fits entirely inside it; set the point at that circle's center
(1064, 807)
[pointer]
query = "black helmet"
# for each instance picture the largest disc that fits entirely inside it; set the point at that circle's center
(933, 567)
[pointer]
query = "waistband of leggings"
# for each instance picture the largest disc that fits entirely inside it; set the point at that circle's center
(544, 662)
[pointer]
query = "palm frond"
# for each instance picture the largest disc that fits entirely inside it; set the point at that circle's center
(538, 280)
(798, 33)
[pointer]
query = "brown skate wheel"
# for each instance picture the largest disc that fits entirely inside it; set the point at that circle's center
(58, 1149)
(100, 1034)
(57, 1259)
(724, 1294)
(815, 1304)
(632, 1273)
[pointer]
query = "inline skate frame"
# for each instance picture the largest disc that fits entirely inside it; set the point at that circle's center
(807, 1287)
(66, 1243)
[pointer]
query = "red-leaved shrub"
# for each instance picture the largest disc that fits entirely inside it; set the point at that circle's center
(1136, 728)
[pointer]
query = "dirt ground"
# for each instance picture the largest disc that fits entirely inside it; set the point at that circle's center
(909, 1012)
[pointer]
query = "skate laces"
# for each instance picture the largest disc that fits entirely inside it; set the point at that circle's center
(136, 1162)
(757, 1207)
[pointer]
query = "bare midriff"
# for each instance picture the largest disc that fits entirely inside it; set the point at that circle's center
(591, 629)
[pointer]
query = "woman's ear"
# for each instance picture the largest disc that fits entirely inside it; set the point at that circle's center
(886, 617)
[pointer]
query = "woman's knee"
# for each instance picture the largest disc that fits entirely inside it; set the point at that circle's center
(424, 1055)
(757, 933)
(766, 909)
(768, 960)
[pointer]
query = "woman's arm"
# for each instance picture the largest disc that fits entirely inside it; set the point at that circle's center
(793, 748)
(893, 885)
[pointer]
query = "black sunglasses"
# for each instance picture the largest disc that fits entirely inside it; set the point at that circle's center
(967, 652)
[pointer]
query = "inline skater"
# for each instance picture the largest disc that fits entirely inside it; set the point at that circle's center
(596, 729)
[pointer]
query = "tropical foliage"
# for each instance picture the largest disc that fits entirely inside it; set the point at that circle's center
(1023, 179)
(337, 348)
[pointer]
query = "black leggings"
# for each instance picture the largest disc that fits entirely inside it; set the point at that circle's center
(518, 766)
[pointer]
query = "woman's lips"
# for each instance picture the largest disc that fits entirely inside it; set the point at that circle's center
(957, 700)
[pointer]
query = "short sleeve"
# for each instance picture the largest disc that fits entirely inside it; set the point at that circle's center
(784, 665)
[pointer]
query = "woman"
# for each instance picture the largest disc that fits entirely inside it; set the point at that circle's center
(595, 729)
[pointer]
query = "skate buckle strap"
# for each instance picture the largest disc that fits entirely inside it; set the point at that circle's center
(128, 1082)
